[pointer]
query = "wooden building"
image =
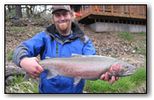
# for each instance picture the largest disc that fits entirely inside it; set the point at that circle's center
(122, 14)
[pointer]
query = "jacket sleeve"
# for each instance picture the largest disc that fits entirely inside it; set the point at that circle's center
(88, 48)
(29, 48)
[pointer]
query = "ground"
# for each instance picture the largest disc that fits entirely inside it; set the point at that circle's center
(112, 44)
(106, 43)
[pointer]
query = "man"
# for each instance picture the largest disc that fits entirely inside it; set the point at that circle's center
(61, 39)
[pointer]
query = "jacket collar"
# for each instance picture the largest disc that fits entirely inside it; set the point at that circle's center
(76, 33)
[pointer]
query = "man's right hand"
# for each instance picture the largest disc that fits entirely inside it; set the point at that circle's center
(31, 66)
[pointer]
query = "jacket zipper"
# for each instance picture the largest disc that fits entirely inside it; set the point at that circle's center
(57, 50)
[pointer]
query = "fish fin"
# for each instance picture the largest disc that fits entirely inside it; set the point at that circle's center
(76, 80)
(47, 57)
(26, 77)
(76, 55)
(51, 74)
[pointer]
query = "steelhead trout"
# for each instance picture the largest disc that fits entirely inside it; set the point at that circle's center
(85, 67)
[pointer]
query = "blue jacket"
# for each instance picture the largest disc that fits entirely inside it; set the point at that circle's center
(51, 44)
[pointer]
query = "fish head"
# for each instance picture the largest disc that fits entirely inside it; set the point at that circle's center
(122, 69)
(127, 69)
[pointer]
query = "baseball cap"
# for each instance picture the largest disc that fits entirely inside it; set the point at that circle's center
(60, 7)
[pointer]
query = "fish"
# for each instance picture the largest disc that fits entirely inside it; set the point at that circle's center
(89, 67)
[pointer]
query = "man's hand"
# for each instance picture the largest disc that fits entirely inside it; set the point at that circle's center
(31, 66)
(107, 77)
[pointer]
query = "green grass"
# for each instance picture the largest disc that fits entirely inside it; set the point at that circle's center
(9, 55)
(123, 85)
(139, 39)
(19, 85)
(17, 30)
(142, 33)
(141, 48)
(126, 36)
(20, 31)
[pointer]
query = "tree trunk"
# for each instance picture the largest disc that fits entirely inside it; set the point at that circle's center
(27, 11)
(9, 8)
(18, 11)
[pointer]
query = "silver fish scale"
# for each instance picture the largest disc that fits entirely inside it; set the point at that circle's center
(87, 67)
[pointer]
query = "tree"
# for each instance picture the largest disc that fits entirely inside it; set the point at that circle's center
(18, 11)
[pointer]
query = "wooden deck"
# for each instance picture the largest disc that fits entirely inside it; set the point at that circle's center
(121, 11)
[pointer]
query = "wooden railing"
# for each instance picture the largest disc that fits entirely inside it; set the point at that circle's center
(114, 10)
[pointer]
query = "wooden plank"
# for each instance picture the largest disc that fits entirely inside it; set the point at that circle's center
(111, 10)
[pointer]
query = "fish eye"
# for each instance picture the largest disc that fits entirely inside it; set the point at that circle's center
(125, 68)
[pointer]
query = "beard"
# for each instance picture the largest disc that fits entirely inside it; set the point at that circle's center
(63, 25)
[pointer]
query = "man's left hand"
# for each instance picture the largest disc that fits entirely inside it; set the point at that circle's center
(107, 77)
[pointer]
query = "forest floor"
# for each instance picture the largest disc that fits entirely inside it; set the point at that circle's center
(130, 47)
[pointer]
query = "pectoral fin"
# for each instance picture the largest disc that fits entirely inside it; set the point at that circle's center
(51, 74)
(76, 55)
(76, 80)
(47, 57)
(26, 77)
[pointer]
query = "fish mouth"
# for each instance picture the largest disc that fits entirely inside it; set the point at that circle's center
(122, 69)
(128, 71)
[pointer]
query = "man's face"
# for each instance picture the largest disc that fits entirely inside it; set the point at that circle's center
(62, 19)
